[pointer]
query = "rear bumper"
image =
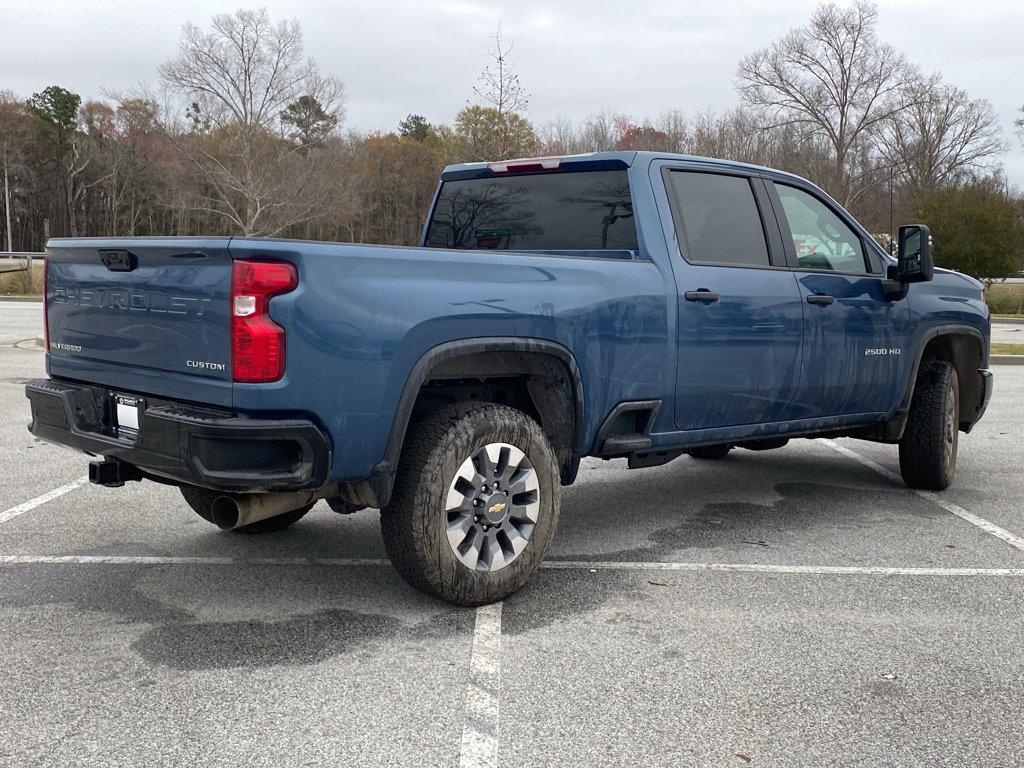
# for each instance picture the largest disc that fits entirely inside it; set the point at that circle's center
(176, 442)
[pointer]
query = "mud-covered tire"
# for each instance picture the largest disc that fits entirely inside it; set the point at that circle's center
(929, 443)
(201, 501)
(718, 451)
(415, 522)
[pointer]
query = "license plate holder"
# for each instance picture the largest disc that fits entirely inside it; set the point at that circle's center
(127, 410)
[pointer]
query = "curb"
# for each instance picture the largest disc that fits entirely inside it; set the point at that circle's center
(20, 298)
(1006, 360)
(1008, 321)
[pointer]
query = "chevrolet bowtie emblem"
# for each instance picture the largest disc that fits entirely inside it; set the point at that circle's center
(497, 507)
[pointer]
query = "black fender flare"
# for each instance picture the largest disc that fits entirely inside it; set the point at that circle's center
(899, 418)
(383, 476)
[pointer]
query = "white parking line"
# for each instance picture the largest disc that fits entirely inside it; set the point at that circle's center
(771, 568)
(753, 568)
(42, 499)
(197, 560)
(982, 523)
(480, 717)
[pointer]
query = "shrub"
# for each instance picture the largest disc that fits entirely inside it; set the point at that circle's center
(976, 229)
(1005, 298)
(16, 283)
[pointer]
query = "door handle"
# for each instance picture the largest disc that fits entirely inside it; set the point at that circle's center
(822, 299)
(701, 295)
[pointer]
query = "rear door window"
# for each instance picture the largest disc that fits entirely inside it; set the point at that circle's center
(821, 239)
(567, 211)
(717, 219)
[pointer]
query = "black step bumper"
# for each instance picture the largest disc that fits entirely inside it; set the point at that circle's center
(180, 443)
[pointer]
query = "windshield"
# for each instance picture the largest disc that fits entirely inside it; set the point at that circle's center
(577, 211)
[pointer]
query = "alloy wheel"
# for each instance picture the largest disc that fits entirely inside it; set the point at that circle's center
(492, 506)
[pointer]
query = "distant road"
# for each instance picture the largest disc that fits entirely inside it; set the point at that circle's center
(20, 321)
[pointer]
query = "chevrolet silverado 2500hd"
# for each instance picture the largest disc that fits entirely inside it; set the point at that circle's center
(629, 304)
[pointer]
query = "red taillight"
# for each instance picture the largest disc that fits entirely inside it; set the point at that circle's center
(46, 305)
(257, 343)
(525, 164)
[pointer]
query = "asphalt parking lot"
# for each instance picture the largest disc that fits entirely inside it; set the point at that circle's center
(789, 607)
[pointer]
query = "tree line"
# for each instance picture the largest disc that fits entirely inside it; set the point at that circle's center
(245, 135)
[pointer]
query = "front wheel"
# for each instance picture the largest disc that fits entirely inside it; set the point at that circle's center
(340, 506)
(929, 443)
(475, 503)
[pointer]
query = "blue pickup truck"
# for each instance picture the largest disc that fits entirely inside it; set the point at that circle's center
(630, 304)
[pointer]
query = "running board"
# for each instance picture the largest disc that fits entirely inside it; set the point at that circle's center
(626, 443)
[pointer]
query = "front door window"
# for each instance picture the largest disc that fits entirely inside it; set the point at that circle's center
(821, 239)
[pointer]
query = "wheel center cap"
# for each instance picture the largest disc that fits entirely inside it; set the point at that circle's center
(496, 507)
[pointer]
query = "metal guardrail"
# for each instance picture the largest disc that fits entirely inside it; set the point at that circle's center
(24, 260)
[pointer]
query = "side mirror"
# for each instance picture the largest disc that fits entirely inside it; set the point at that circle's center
(914, 254)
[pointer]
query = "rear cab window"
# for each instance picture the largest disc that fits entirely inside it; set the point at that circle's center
(717, 219)
(577, 211)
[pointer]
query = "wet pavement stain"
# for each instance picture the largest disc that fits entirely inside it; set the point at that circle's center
(301, 640)
(176, 637)
(89, 588)
(800, 510)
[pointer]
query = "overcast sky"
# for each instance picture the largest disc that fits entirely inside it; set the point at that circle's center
(575, 57)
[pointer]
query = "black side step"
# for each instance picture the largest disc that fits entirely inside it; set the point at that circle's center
(626, 443)
(627, 429)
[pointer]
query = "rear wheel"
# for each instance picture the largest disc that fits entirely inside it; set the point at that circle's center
(201, 501)
(340, 506)
(710, 452)
(475, 503)
(929, 443)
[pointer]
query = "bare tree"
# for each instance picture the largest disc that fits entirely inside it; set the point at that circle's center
(558, 136)
(834, 78)
(14, 135)
(941, 136)
(235, 81)
(499, 85)
(598, 132)
(676, 128)
(128, 138)
(496, 129)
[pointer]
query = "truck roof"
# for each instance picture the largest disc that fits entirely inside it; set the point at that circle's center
(592, 161)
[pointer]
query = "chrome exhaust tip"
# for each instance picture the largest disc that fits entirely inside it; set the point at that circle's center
(232, 511)
(224, 512)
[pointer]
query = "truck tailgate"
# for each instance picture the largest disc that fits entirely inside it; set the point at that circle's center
(148, 314)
